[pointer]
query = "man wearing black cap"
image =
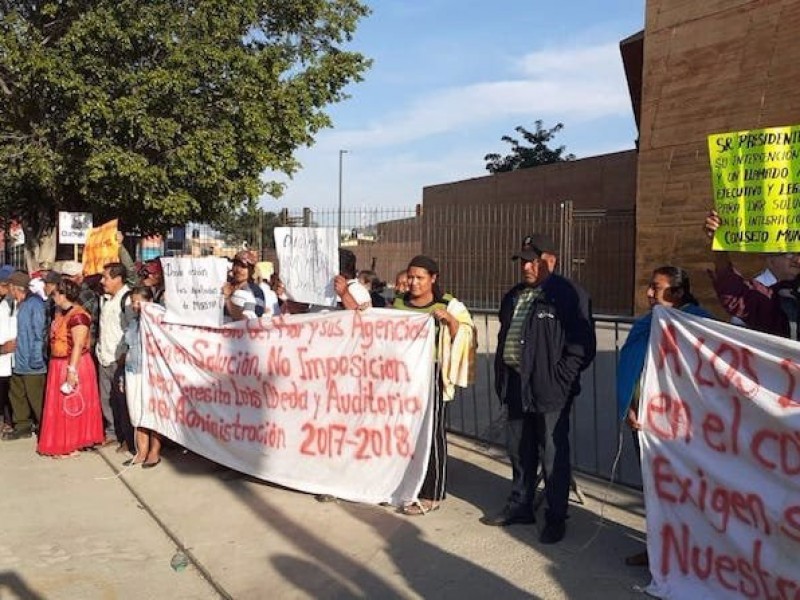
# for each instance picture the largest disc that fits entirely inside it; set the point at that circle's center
(546, 339)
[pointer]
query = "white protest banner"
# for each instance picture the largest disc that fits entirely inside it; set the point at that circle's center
(308, 258)
(193, 290)
(73, 227)
(721, 460)
(330, 403)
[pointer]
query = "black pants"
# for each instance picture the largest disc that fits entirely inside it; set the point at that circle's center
(5, 402)
(538, 441)
(433, 486)
(119, 408)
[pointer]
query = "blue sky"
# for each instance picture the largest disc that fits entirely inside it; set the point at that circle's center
(451, 77)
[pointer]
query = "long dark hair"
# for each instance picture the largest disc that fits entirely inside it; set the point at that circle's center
(425, 262)
(678, 282)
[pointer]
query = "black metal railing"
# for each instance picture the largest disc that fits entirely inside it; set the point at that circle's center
(595, 429)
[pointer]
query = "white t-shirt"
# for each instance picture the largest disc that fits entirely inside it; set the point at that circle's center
(8, 332)
(271, 305)
(359, 293)
(246, 300)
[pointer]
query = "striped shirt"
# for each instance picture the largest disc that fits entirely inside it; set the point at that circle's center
(512, 350)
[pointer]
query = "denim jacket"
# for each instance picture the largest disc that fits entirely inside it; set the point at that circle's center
(31, 337)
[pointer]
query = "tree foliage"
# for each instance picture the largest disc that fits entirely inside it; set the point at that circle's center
(250, 226)
(536, 153)
(165, 111)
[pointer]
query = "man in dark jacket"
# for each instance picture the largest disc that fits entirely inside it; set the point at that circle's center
(546, 339)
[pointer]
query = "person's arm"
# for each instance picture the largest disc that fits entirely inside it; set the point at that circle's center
(39, 324)
(80, 335)
(579, 339)
(349, 300)
(132, 278)
(747, 299)
(446, 318)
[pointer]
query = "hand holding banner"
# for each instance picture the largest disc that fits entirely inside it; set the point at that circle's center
(335, 403)
(756, 181)
(720, 419)
(101, 248)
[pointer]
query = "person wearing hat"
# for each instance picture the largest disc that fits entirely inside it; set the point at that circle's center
(153, 277)
(8, 335)
(88, 298)
(546, 339)
(243, 298)
(30, 366)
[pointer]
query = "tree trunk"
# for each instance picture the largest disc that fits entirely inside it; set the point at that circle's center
(40, 247)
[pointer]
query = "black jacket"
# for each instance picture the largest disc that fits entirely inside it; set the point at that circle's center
(558, 343)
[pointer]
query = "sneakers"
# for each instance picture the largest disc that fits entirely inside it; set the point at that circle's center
(510, 516)
(553, 532)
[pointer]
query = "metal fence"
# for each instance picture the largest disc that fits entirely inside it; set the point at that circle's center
(473, 246)
(14, 256)
(595, 430)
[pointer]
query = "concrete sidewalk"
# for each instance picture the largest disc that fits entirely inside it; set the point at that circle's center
(72, 529)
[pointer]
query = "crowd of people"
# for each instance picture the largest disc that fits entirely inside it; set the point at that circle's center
(70, 354)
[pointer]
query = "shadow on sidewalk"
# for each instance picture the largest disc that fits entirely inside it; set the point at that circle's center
(590, 561)
(14, 585)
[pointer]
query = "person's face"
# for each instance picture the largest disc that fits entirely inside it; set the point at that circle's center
(785, 267)
(240, 272)
(136, 303)
(60, 299)
(49, 288)
(420, 282)
(17, 292)
(659, 292)
(111, 285)
(537, 270)
(4, 289)
(152, 278)
(401, 284)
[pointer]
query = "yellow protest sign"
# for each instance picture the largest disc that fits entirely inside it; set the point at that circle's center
(756, 178)
(101, 248)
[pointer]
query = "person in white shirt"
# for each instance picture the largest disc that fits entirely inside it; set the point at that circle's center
(351, 292)
(110, 351)
(8, 333)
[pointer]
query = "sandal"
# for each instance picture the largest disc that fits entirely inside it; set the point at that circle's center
(419, 508)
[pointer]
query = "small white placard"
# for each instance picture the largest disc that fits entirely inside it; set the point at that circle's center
(193, 290)
(73, 227)
(308, 260)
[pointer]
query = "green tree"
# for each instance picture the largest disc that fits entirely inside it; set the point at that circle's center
(165, 111)
(250, 225)
(536, 153)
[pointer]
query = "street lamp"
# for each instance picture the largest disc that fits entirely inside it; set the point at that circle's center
(339, 230)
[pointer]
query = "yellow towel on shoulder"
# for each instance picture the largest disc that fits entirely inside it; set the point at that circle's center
(457, 355)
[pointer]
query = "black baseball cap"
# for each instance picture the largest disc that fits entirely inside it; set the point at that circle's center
(533, 246)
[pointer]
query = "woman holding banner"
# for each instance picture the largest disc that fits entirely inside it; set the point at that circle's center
(148, 442)
(71, 419)
(670, 287)
(454, 362)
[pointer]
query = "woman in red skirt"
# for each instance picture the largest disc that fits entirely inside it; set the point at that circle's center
(72, 418)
